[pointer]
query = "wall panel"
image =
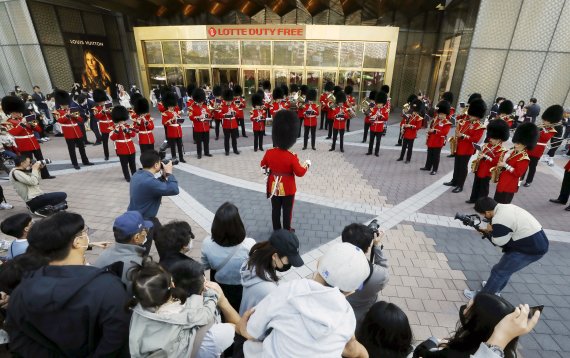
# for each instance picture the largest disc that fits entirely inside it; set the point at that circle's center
(536, 24)
(483, 73)
(520, 75)
(556, 67)
(492, 31)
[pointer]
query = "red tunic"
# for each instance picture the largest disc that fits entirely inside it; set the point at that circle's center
(473, 132)
(23, 134)
(437, 135)
(170, 121)
(416, 122)
(545, 135)
(190, 102)
(567, 166)
(200, 116)
(103, 116)
(351, 101)
(144, 126)
(509, 182)
(69, 123)
(378, 117)
(216, 103)
(239, 102)
(491, 154)
(507, 118)
(371, 105)
(257, 117)
(324, 102)
(310, 114)
(122, 136)
(160, 107)
(228, 115)
(340, 115)
(283, 166)
(277, 106)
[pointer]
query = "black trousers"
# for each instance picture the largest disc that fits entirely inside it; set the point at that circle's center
(324, 119)
(145, 147)
(503, 198)
(257, 140)
(408, 144)
(300, 126)
(348, 124)
(432, 160)
(173, 143)
(374, 136)
(400, 138)
(46, 199)
(335, 135)
(128, 161)
(233, 133)
(71, 144)
(282, 204)
(313, 131)
(95, 128)
(217, 129)
(83, 130)
(480, 188)
(39, 156)
(105, 138)
(365, 135)
(330, 127)
(531, 169)
(565, 188)
(241, 123)
(202, 139)
(150, 236)
(460, 169)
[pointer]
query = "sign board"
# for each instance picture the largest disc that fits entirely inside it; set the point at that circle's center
(256, 32)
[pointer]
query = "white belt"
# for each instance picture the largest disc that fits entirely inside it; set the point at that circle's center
(145, 132)
(174, 125)
(123, 140)
(24, 136)
(68, 125)
(544, 144)
(107, 121)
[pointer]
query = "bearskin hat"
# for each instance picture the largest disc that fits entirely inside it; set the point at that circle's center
(443, 107)
(381, 97)
(169, 100)
(417, 106)
(277, 93)
(285, 90)
(304, 89)
(348, 90)
(293, 88)
(256, 100)
(217, 91)
(385, 89)
(261, 93)
(228, 95)
(119, 114)
(477, 108)
(141, 106)
(62, 98)
(337, 89)
(473, 97)
(99, 95)
(329, 86)
(506, 107)
(372, 95)
(498, 129)
(340, 97)
(190, 88)
(412, 98)
(285, 129)
(12, 104)
(199, 95)
(526, 134)
(553, 114)
(133, 99)
(447, 96)
(312, 95)
(237, 90)
(266, 85)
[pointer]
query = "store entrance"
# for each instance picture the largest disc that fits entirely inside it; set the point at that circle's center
(253, 81)
(198, 77)
(225, 77)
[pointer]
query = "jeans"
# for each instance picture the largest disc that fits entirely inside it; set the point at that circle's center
(510, 263)
(44, 200)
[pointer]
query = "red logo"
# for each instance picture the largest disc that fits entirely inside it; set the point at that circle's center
(212, 31)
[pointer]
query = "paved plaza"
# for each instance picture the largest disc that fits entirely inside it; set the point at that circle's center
(432, 257)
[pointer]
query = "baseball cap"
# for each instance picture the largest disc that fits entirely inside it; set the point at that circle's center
(287, 244)
(131, 223)
(344, 266)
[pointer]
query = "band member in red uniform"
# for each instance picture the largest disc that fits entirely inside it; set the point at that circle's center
(123, 135)
(310, 112)
(22, 131)
(216, 105)
(386, 89)
(462, 119)
(367, 110)
(330, 106)
(436, 136)
(257, 117)
(267, 98)
(282, 165)
(189, 90)
(102, 111)
(340, 113)
(378, 118)
(229, 122)
(409, 126)
(300, 103)
(329, 86)
(406, 112)
(278, 103)
(69, 122)
(506, 109)
(144, 124)
(171, 120)
(448, 96)
(564, 189)
(201, 116)
(488, 157)
(239, 101)
(351, 102)
(468, 134)
(286, 102)
(515, 162)
(550, 118)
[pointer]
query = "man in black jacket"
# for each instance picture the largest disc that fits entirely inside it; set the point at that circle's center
(532, 111)
(67, 309)
(40, 101)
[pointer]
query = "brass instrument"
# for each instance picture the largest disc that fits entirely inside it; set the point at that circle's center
(477, 161)
(453, 141)
(331, 100)
(301, 99)
(497, 170)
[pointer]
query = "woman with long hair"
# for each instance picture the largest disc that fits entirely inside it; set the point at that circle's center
(94, 73)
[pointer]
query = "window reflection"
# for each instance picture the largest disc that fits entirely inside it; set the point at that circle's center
(174, 75)
(153, 52)
(351, 54)
(157, 76)
(171, 51)
(322, 54)
(224, 52)
(375, 54)
(195, 52)
(288, 53)
(256, 52)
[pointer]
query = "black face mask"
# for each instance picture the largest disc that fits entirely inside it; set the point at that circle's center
(286, 267)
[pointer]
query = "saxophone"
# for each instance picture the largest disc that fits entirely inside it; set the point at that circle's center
(497, 170)
(477, 161)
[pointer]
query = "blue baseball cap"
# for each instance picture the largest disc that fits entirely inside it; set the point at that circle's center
(131, 223)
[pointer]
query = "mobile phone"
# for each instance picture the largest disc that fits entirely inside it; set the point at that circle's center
(534, 309)
(30, 118)
(462, 104)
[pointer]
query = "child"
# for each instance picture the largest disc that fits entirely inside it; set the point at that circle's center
(257, 117)
(17, 226)
(122, 135)
(410, 125)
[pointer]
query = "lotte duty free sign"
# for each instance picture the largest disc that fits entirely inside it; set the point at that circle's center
(256, 32)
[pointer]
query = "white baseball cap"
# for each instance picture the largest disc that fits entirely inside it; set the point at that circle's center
(344, 266)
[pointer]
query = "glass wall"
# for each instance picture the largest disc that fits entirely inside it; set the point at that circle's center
(195, 52)
(288, 53)
(322, 54)
(256, 53)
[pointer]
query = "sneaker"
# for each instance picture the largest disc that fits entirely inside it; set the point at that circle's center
(5, 206)
(469, 294)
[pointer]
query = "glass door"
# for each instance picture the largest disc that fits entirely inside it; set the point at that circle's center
(204, 77)
(280, 77)
(191, 77)
(263, 75)
(371, 81)
(314, 81)
(296, 77)
(249, 83)
(329, 76)
(351, 78)
(225, 77)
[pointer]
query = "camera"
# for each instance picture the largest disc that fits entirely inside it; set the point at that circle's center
(162, 154)
(374, 226)
(474, 221)
(45, 161)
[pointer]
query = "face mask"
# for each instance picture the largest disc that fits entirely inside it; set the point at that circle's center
(286, 267)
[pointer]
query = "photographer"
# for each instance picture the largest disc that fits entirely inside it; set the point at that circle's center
(518, 233)
(27, 185)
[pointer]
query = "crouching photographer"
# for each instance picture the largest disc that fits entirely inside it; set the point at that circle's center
(25, 178)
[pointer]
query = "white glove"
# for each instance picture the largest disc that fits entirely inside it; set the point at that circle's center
(263, 170)
(308, 162)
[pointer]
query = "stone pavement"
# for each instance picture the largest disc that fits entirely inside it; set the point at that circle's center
(432, 258)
